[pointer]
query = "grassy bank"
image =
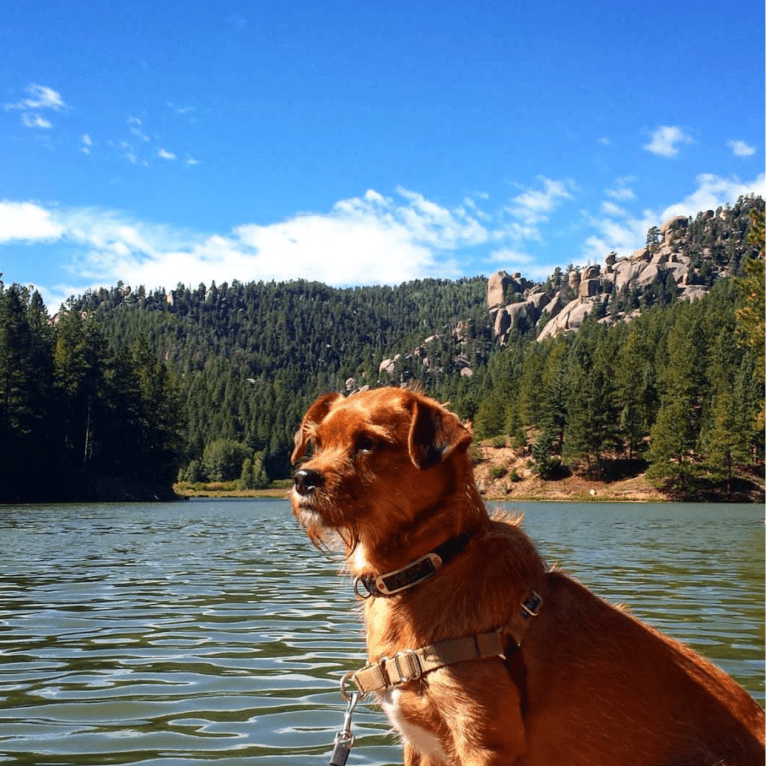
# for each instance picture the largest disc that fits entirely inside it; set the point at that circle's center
(277, 489)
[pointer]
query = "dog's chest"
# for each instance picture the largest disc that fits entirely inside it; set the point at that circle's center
(422, 740)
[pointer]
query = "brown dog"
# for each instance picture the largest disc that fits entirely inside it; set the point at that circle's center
(479, 654)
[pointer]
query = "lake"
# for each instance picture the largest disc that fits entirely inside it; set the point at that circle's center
(213, 631)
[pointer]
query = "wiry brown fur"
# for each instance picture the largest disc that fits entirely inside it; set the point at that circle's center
(590, 685)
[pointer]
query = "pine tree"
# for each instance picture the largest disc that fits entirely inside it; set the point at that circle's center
(752, 310)
(78, 370)
(26, 403)
(542, 453)
(684, 386)
(592, 417)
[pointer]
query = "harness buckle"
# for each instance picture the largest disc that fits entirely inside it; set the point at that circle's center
(414, 669)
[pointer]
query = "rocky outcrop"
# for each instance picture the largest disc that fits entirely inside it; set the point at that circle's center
(496, 287)
(570, 317)
(589, 288)
(501, 285)
(388, 366)
(669, 261)
(676, 222)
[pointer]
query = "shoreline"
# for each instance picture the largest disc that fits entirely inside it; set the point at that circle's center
(540, 492)
(506, 475)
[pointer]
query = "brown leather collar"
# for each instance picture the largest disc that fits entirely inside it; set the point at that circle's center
(414, 573)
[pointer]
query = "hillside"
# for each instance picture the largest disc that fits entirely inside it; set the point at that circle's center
(250, 357)
(644, 358)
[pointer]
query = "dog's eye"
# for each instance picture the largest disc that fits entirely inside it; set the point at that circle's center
(366, 444)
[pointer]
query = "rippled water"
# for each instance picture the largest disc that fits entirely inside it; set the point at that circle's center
(213, 631)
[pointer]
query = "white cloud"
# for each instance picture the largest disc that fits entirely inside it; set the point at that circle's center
(190, 160)
(165, 155)
(87, 143)
(40, 97)
(372, 239)
(666, 141)
(507, 255)
(715, 191)
(629, 234)
(181, 110)
(741, 149)
(622, 191)
(533, 206)
(27, 221)
(475, 209)
(621, 236)
(138, 133)
(435, 225)
(609, 208)
(509, 259)
(34, 121)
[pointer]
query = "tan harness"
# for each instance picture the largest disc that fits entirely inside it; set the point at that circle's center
(411, 664)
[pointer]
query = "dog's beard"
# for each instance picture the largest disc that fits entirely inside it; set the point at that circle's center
(326, 527)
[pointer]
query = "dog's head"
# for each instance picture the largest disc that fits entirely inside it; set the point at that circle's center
(381, 461)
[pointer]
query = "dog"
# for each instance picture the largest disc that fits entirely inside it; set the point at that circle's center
(479, 653)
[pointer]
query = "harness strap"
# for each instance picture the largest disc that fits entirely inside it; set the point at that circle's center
(411, 664)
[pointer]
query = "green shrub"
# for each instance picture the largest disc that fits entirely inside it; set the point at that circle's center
(223, 458)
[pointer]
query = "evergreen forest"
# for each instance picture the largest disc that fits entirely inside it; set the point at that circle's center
(124, 391)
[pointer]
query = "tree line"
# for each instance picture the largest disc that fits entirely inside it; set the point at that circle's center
(123, 390)
(79, 420)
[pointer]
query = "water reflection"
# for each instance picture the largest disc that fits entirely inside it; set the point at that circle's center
(142, 634)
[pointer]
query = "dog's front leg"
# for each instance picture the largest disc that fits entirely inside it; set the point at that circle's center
(481, 707)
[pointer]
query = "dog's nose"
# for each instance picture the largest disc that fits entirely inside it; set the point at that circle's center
(306, 481)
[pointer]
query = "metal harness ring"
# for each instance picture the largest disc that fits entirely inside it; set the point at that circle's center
(343, 682)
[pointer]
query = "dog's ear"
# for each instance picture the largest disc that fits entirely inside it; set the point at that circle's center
(314, 415)
(435, 433)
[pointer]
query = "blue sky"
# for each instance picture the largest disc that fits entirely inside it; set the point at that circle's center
(362, 142)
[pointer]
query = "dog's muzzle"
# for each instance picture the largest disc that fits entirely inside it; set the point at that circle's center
(306, 481)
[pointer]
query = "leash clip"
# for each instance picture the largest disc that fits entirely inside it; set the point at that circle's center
(344, 739)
